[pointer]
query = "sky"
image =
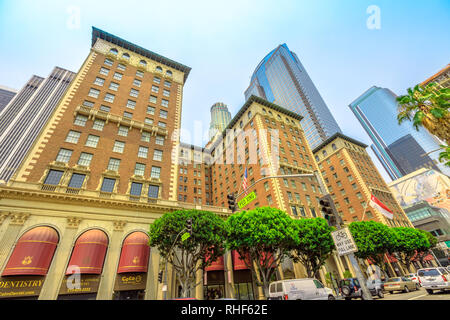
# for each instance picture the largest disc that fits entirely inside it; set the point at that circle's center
(343, 46)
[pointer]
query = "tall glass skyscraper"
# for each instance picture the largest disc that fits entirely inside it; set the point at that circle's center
(401, 149)
(280, 78)
(220, 118)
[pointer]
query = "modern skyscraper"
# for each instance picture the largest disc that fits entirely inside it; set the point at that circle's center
(6, 94)
(220, 118)
(22, 120)
(400, 148)
(280, 78)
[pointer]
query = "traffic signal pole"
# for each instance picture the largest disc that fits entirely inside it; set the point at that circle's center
(338, 224)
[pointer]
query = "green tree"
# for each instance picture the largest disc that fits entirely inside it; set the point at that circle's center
(445, 155)
(407, 242)
(188, 256)
(314, 245)
(373, 240)
(265, 236)
(428, 107)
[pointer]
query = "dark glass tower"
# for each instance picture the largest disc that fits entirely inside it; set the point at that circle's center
(280, 78)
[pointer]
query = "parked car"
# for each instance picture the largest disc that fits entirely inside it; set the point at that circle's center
(413, 277)
(350, 288)
(434, 279)
(299, 289)
(376, 287)
(400, 284)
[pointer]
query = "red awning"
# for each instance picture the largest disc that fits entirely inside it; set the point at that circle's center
(217, 265)
(271, 260)
(428, 257)
(33, 252)
(238, 262)
(391, 258)
(135, 253)
(89, 253)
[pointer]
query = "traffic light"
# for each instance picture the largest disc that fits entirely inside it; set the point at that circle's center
(327, 210)
(160, 275)
(189, 226)
(232, 202)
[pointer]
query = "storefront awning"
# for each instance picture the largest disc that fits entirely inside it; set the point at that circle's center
(238, 262)
(33, 252)
(135, 253)
(89, 253)
(217, 265)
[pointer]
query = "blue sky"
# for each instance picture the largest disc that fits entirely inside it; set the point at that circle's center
(223, 41)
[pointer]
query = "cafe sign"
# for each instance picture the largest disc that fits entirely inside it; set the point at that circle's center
(130, 281)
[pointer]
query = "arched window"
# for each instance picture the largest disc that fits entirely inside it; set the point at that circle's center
(158, 69)
(317, 158)
(126, 56)
(113, 51)
(324, 153)
(135, 253)
(143, 63)
(333, 146)
(33, 252)
(89, 253)
(169, 73)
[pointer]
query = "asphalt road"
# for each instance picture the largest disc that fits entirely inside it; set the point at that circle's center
(420, 294)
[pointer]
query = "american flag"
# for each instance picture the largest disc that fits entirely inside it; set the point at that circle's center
(244, 181)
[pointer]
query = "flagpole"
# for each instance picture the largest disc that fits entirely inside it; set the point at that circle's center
(365, 209)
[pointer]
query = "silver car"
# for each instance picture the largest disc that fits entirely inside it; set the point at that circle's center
(434, 279)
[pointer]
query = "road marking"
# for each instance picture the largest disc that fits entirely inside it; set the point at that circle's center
(423, 295)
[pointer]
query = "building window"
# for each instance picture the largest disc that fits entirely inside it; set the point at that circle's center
(163, 114)
(127, 114)
(136, 189)
(139, 73)
(157, 80)
(143, 63)
(156, 172)
(121, 67)
(119, 146)
(155, 89)
(109, 97)
(143, 151)
(117, 76)
(93, 93)
(98, 125)
(105, 108)
(123, 131)
(76, 181)
(153, 99)
(73, 136)
(162, 124)
(104, 71)
(85, 159)
(113, 164)
(153, 191)
(109, 62)
(131, 104)
(266, 186)
(92, 141)
(126, 56)
(99, 81)
(169, 73)
(139, 169)
(167, 84)
(113, 51)
(166, 93)
(159, 140)
(157, 155)
(53, 177)
(88, 104)
(145, 136)
(108, 185)
(150, 110)
(165, 103)
(148, 121)
(134, 93)
(137, 82)
(64, 155)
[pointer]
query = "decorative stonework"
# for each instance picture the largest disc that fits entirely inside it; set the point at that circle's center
(3, 216)
(18, 218)
(119, 225)
(73, 222)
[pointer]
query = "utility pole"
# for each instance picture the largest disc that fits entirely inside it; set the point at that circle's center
(334, 219)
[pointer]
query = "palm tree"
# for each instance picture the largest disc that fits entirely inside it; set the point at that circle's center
(445, 155)
(428, 107)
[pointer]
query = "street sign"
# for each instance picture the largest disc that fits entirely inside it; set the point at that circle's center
(185, 236)
(245, 201)
(344, 242)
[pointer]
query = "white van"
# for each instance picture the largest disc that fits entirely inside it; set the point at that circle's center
(299, 289)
